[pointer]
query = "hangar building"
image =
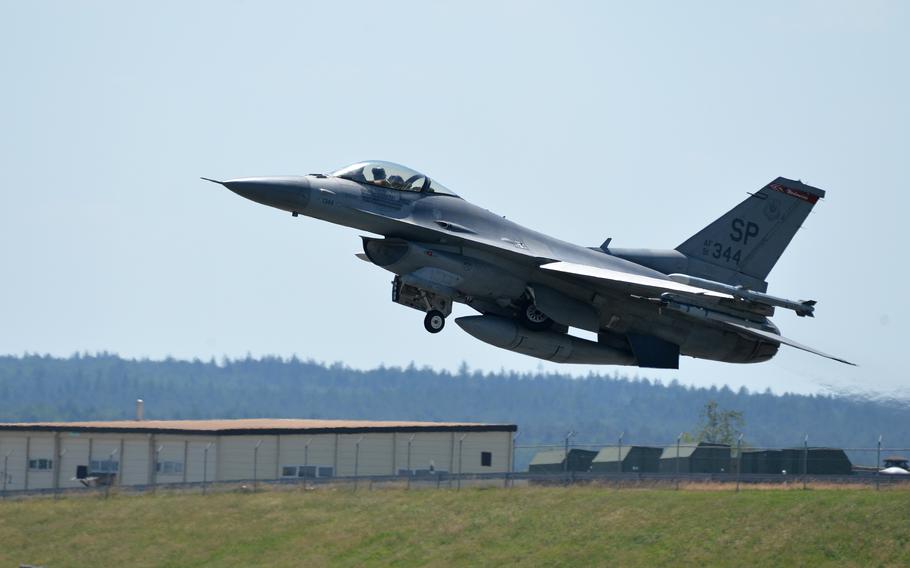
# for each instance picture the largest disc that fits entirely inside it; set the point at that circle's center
(700, 458)
(637, 459)
(554, 461)
(52, 455)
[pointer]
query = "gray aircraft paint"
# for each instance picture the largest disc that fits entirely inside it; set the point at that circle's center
(444, 249)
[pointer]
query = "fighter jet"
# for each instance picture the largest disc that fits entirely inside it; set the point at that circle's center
(707, 298)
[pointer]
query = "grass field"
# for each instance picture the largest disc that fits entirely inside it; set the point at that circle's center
(536, 526)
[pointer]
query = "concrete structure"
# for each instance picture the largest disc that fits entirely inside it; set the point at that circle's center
(700, 458)
(627, 459)
(554, 461)
(54, 455)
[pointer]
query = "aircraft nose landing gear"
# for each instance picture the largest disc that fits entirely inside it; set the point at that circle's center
(434, 321)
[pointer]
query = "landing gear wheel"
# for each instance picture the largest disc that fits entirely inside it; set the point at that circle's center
(434, 321)
(534, 319)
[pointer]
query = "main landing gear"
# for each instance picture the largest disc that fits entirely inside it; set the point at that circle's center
(434, 321)
(532, 318)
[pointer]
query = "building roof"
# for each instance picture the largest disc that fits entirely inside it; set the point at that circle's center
(549, 456)
(683, 451)
(255, 426)
(558, 456)
(612, 454)
(686, 450)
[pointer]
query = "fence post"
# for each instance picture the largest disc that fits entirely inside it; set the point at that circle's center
(460, 459)
(565, 461)
(739, 460)
(110, 462)
(678, 440)
(410, 439)
(357, 461)
(805, 459)
(619, 452)
(256, 465)
(514, 469)
(205, 466)
(5, 471)
(57, 471)
(306, 461)
(155, 468)
(878, 463)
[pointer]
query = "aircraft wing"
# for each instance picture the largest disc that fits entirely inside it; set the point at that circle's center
(769, 336)
(614, 280)
(632, 283)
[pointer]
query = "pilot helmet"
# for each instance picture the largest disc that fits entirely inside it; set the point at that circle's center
(378, 174)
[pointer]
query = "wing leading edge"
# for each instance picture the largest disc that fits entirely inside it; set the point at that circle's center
(637, 282)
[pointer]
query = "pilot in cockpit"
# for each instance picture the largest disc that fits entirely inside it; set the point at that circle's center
(379, 176)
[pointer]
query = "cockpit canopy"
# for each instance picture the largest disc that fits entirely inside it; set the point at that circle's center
(392, 176)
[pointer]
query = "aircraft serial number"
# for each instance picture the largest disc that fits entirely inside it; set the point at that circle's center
(728, 254)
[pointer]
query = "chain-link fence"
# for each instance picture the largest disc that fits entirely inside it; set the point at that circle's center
(679, 465)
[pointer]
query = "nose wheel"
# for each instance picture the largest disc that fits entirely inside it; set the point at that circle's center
(434, 321)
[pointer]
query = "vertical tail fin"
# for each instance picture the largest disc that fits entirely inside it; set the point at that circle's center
(750, 238)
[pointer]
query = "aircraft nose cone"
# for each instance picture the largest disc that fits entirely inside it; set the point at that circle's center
(288, 193)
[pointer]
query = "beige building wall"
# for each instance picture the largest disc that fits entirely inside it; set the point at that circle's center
(135, 461)
(498, 444)
(195, 466)
(316, 450)
(231, 457)
(374, 457)
(41, 446)
(426, 448)
(74, 449)
(13, 449)
(236, 457)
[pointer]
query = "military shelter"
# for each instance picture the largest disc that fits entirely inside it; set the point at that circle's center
(554, 461)
(627, 459)
(696, 458)
(816, 461)
(762, 461)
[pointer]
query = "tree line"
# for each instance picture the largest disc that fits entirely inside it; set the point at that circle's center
(543, 405)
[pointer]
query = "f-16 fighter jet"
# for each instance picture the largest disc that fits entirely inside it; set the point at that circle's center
(706, 298)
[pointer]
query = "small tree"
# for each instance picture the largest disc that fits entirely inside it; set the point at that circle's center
(719, 426)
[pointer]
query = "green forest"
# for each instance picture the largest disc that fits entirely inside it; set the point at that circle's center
(544, 406)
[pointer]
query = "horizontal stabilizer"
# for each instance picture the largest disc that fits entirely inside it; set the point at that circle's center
(642, 284)
(762, 334)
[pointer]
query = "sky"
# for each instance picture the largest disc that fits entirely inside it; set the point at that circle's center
(640, 121)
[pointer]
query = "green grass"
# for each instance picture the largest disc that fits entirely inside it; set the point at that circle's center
(535, 526)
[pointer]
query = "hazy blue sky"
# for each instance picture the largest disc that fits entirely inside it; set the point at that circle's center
(633, 120)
